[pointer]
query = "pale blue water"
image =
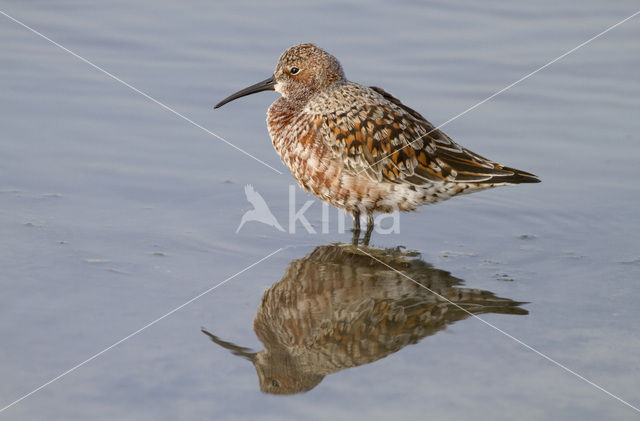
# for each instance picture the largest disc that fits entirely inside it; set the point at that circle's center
(113, 211)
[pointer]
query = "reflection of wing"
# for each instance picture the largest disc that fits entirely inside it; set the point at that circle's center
(394, 143)
(338, 308)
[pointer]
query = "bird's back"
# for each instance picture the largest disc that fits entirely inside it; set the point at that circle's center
(360, 147)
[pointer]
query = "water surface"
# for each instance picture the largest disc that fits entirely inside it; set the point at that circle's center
(113, 211)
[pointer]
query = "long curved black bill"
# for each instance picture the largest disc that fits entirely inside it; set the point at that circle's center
(265, 85)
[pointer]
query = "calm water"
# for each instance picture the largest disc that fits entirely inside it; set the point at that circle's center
(113, 211)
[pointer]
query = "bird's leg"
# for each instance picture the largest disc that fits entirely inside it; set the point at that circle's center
(367, 234)
(356, 228)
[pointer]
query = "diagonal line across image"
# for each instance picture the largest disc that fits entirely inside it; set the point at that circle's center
(279, 172)
(511, 85)
(530, 348)
(131, 335)
(133, 88)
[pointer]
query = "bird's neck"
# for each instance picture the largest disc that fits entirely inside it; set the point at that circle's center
(281, 112)
(296, 100)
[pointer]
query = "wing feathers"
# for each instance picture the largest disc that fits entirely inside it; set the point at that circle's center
(383, 138)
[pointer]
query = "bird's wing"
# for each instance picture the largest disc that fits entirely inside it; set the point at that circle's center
(381, 137)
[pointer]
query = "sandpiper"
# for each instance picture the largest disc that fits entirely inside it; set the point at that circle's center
(359, 148)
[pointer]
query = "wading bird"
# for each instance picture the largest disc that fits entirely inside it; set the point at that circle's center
(359, 148)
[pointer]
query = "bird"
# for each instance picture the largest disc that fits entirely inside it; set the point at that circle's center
(260, 211)
(361, 149)
(340, 308)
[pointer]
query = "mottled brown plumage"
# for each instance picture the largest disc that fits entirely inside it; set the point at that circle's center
(359, 148)
(338, 308)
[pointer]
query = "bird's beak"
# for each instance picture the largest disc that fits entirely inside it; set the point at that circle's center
(265, 85)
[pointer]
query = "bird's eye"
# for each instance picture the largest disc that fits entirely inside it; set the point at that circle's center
(275, 383)
(294, 70)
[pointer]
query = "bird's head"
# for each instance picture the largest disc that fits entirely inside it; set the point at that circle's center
(302, 71)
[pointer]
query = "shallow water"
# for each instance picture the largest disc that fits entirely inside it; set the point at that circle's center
(114, 211)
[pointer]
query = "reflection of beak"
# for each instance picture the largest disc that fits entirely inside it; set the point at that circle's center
(265, 85)
(240, 351)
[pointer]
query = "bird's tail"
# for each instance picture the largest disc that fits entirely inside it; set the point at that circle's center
(518, 177)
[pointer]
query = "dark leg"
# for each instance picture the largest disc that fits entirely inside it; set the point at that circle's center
(356, 228)
(367, 234)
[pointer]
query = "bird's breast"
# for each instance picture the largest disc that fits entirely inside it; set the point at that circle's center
(294, 136)
(319, 170)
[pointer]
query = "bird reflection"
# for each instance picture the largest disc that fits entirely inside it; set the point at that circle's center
(338, 308)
